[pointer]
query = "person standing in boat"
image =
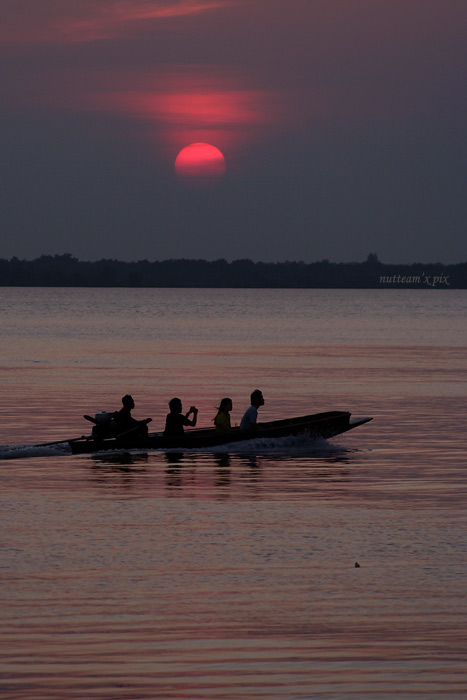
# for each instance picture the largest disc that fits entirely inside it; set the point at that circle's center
(250, 417)
(176, 421)
(222, 420)
(125, 422)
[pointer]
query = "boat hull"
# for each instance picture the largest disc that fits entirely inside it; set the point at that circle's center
(323, 425)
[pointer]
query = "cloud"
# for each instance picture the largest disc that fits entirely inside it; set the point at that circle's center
(81, 21)
(198, 103)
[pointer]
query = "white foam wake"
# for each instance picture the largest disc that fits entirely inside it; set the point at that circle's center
(25, 451)
(292, 444)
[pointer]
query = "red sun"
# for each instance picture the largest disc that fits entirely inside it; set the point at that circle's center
(200, 162)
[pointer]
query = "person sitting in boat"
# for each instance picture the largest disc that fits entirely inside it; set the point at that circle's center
(125, 422)
(250, 417)
(176, 421)
(222, 420)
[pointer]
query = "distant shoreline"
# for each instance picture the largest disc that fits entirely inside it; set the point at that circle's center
(67, 271)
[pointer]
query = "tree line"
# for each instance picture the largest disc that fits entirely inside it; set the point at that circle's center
(67, 271)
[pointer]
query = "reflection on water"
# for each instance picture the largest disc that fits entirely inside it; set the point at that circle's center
(227, 473)
(142, 575)
(231, 575)
(204, 475)
(120, 458)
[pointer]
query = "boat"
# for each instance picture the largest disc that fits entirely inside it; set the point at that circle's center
(318, 425)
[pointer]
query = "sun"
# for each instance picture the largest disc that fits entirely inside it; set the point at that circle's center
(200, 162)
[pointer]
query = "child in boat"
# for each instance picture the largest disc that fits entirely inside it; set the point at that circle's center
(176, 421)
(250, 417)
(222, 420)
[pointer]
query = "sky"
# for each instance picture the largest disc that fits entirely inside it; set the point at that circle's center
(342, 124)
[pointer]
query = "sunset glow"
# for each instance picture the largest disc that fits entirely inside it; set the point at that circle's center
(362, 103)
(196, 106)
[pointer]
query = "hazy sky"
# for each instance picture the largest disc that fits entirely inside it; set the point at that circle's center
(342, 123)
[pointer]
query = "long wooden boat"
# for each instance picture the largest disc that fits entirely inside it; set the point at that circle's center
(318, 425)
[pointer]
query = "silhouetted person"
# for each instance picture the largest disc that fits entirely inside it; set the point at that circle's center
(125, 422)
(250, 417)
(222, 419)
(176, 421)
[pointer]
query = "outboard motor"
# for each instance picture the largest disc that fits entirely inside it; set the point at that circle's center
(104, 425)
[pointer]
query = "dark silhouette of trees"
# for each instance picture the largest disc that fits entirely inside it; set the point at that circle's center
(67, 271)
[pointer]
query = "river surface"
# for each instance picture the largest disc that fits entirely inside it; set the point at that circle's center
(233, 576)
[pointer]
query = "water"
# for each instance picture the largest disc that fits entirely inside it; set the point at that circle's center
(140, 575)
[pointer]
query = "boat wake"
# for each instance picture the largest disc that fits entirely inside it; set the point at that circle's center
(290, 445)
(25, 451)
